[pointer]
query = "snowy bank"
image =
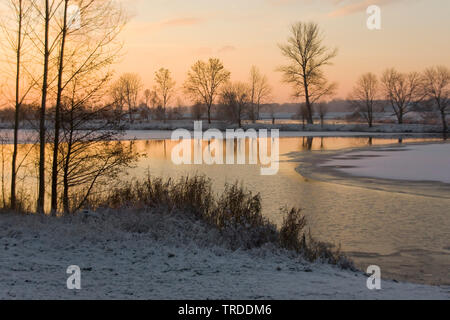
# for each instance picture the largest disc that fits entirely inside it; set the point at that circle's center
(286, 127)
(412, 163)
(28, 136)
(132, 255)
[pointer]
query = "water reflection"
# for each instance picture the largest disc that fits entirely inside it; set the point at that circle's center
(162, 149)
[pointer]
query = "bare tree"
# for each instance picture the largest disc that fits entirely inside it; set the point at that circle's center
(45, 39)
(364, 96)
(255, 77)
(47, 14)
(204, 80)
(260, 90)
(91, 44)
(303, 114)
(16, 28)
(436, 87)
(147, 97)
(272, 110)
(322, 110)
(236, 98)
(401, 90)
(152, 101)
(125, 92)
(198, 110)
(164, 88)
(57, 124)
(147, 100)
(89, 157)
(307, 56)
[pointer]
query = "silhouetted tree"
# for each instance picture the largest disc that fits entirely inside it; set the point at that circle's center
(125, 92)
(15, 26)
(322, 110)
(89, 46)
(307, 56)
(204, 80)
(401, 90)
(236, 98)
(259, 92)
(164, 88)
(364, 96)
(436, 87)
(89, 156)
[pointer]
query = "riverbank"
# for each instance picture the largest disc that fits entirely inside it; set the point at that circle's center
(287, 127)
(29, 136)
(284, 127)
(160, 255)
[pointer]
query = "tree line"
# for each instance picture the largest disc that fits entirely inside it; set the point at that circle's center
(207, 83)
(307, 56)
(58, 56)
(403, 91)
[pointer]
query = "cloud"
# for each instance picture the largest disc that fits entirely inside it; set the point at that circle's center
(226, 49)
(357, 6)
(342, 7)
(208, 51)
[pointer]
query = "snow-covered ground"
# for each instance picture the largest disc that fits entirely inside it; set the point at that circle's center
(155, 256)
(28, 131)
(429, 162)
(164, 134)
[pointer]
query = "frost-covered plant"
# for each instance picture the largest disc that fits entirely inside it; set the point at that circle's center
(236, 215)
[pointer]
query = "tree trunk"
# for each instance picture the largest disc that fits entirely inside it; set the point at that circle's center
(253, 113)
(66, 189)
(54, 199)
(257, 111)
(309, 117)
(41, 197)
(67, 160)
(239, 116)
(209, 114)
(444, 123)
(164, 111)
(17, 111)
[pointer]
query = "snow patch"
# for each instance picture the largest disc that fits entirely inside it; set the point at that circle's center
(429, 162)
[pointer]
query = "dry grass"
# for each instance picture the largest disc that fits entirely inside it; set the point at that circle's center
(236, 213)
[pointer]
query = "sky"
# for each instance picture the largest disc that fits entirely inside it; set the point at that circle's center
(174, 34)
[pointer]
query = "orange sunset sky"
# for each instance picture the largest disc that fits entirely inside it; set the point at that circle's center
(176, 33)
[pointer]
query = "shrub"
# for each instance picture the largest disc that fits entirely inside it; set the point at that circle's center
(236, 214)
